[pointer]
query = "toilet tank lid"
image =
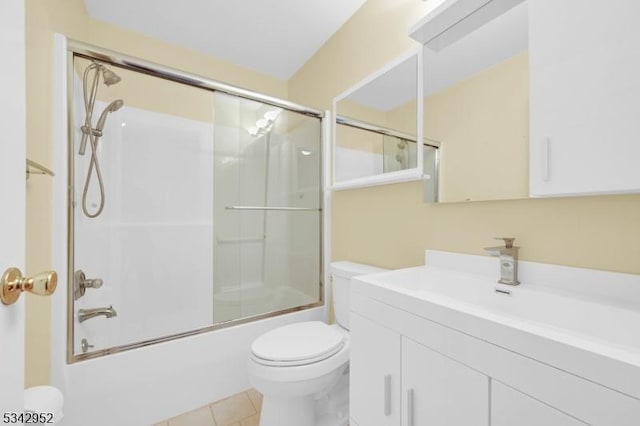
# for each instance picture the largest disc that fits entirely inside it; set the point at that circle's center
(348, 269)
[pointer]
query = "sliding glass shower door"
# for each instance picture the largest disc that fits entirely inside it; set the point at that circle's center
(189, 208)
(267, 208)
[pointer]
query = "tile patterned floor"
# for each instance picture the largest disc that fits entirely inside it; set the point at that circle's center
(242, 409)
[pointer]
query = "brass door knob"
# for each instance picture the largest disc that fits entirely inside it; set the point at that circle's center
(12, 284)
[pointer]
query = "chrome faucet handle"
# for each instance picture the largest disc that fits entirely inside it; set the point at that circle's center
(508, 241)
(84, 344)
(93, 283)
(81, 283)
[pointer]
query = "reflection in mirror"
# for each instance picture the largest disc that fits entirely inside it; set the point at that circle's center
(477, 105)
(375, 124)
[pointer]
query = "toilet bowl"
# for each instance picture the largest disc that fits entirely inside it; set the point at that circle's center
(302, 369)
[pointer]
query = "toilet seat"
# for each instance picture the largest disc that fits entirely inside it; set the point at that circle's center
(297, 344)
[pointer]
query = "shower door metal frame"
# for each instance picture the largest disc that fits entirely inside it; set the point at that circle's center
(91, 52)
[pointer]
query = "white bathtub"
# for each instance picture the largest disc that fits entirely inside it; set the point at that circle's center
(146, 385)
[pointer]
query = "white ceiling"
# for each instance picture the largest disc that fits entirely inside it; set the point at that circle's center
(275, 37)
(395, 87)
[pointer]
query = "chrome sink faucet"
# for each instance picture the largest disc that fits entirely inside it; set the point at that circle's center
(86, 314)
(508, 255)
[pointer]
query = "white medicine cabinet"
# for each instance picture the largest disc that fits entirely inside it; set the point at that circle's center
(577, 118)
(585, 86)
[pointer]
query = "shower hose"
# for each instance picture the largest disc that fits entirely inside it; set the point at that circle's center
(93, 136)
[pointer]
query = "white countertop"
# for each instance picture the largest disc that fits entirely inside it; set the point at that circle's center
(582, 333)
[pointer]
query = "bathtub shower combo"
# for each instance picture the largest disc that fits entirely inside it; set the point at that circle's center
(193, 205)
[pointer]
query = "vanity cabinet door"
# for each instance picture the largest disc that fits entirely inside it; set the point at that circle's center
(510, 407)
(439, 391)
(374, 388)
(584, 91)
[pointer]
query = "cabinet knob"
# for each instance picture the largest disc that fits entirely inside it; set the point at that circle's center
(12, 284)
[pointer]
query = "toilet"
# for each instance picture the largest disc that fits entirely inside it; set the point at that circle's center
(302, 369)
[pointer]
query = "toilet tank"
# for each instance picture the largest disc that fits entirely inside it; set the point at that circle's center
(342, 273)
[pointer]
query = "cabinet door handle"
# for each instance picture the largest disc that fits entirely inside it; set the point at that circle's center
(410, 407)
(387, 394)
(545, 159)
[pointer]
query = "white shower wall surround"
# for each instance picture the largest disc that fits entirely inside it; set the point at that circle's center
(143, 246)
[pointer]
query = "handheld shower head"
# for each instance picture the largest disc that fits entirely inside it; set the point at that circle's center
(115, 105)
(112, 107)
(97, 131)
(109, 77)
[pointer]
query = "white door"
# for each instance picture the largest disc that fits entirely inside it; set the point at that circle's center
(12, 198)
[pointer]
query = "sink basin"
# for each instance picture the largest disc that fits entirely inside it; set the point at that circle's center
(563, 313)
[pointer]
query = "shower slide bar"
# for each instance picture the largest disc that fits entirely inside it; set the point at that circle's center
(273, 208)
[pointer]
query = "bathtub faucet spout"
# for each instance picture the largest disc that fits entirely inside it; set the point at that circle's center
(85, 314)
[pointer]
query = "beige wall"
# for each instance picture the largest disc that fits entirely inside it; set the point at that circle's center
(389, 225)
(483, 125)
(69, 17)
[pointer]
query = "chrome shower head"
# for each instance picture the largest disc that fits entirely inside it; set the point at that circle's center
(109, 77)
(112, 107)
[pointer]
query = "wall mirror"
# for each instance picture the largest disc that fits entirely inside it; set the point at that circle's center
(476, 105)
(377, 125)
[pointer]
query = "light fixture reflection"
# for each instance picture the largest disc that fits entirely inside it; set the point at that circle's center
(264, 125)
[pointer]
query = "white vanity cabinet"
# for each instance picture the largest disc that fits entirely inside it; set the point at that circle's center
(396, 381)
(510, 407)
(374, 382)
(439, 391)
(584, 90)
(411, 365)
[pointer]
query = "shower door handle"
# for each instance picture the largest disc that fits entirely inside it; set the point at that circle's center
(272, 208)
(12, 284)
